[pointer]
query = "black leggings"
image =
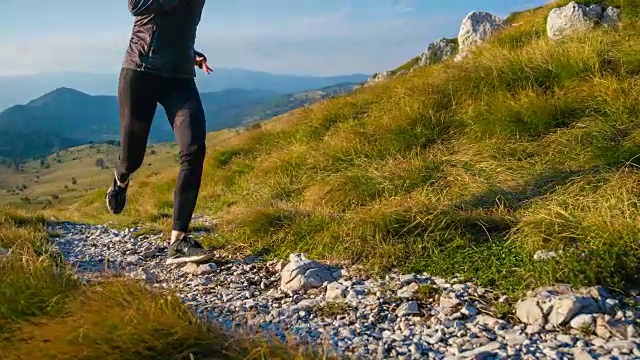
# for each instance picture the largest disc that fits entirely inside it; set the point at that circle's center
(138, 96)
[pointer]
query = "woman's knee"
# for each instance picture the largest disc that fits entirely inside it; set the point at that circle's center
(193, 155)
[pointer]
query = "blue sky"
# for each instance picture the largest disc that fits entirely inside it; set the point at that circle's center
(315, 37)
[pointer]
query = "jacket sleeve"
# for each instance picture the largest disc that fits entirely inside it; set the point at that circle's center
(147, 7)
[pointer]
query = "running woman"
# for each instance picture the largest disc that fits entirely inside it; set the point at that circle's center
(159, 68)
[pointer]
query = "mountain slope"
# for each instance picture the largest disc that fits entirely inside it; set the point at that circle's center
(465, 168)
(66, 117)
(20, 89)
(60, 119)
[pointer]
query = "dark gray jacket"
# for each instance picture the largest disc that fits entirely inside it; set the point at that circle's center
(163, 36)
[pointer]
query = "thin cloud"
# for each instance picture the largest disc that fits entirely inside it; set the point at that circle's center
(404, 5)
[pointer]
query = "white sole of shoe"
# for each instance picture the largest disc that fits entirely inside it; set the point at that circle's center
(181, 260)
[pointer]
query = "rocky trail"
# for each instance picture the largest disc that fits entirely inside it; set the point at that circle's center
(403, 316)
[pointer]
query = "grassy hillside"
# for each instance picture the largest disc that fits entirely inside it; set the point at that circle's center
(66, 177)
(461, 168)
(41, 184)
(46, 313)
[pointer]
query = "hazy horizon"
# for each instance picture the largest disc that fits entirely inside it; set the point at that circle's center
(313, 38)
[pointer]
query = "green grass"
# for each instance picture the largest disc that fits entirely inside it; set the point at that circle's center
(333, 309)
(461, 168)
(406, 66)
(427, 293)
(45, 313)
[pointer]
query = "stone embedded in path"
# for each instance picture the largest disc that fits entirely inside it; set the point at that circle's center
(625, 345)
(301, 274)
(308, 304)
(563, 310)
(195, 269)
(144, 275)
(483, 352)
(580, 354)
(408, 291)
(410, 308)
(133, 260)
(279, 266)
(469, 311)
(583, 321)
(529, 312)
(407, 279)
(602, 329)
(600, 296)
(558, 306)
(150, 253)
(448, 302)
(336, 291)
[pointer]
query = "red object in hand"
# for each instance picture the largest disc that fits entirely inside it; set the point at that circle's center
(201, 62)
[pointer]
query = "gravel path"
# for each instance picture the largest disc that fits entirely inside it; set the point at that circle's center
(402, 316)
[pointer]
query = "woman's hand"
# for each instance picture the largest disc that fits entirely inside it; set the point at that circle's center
(201, 62)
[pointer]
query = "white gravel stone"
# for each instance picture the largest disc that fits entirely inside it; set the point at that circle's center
(582, 321)
(580, 354)
(410, 308)
(198, 270)
(563, 310)
(469, 311)
(625, 345)
(336, 291)
(301, 274)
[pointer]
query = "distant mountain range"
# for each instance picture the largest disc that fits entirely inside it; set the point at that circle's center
(20, 89)
(67, 117)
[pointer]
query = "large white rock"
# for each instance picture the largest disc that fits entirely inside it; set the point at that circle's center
(572, 18)
(529, 312)
(301, 274)
(583, 320)
(438, 51)
(477, 27)
(564, 309)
